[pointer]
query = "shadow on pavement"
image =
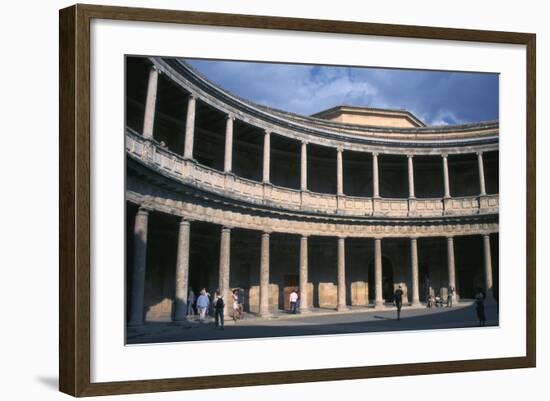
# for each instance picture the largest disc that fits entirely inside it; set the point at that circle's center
(438, 318)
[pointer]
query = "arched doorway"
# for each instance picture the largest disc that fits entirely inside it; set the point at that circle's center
(387, 280)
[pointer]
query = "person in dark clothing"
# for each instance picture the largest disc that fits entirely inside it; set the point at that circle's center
(480, 308)
(398, 299)
(219, 305)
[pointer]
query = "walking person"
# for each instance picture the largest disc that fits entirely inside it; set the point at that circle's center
(203, 302)
(190, 302)
(293, 301)
(480, 308)
(219, 305)
(398, 300)
(450, 293)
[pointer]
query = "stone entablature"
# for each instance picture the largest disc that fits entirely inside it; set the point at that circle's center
(468, 138)
(189, 172)
(196, 211)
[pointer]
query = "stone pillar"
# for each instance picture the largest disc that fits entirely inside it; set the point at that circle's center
(303, 178)
(481, 174)
(378, 300)
(189, 128)
(341, 275)
(138, 272)
(267, 154)
(451, 265)
(182, 272)
(264, 276)
(150, 103)
(225, 253)
(489, 297)
(414, 273)
(375, 188)
(446, 176)
(228, 158)
(411, 176)
(339, 172)
(304, 295)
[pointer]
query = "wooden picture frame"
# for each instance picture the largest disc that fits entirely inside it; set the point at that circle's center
(75, 208)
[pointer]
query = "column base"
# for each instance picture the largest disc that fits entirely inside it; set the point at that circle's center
(416, 304)
(304, 311)
(378, 303)
(342, 308)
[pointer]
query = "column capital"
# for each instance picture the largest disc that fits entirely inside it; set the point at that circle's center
(230, 116)
(375, 154)
(266, 233)
(339, 149)
(409, 155)
(267, 132)
(414, 238)
(144, 209)
(450, 237)
(378, 238)
(444, 155)
(192, 95)
(304, 236)
(479, 153)
(156, 68)
(226, 228)
(184, 221)
(305, 142)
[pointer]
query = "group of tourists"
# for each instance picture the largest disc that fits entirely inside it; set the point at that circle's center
(205, 305)
(437, 301)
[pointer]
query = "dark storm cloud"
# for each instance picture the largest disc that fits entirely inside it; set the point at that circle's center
(436, 97)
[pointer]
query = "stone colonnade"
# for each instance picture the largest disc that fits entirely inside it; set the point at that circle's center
(136, 316)
(149, 118)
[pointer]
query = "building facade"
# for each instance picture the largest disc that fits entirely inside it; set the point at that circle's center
(344, 205)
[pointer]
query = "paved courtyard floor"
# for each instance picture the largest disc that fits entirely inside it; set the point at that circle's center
(318, 321)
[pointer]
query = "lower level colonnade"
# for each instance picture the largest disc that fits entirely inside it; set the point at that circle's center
(170, 255)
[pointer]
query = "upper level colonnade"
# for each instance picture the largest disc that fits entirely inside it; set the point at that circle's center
(182, 114)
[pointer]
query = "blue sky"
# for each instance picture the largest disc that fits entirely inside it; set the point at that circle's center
(436, 97)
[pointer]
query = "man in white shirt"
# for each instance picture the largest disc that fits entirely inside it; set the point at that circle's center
(293, 301)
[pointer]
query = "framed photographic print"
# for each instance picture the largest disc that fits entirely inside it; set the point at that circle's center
(334, 199)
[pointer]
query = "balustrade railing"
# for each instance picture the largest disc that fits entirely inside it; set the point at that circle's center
(190, 172)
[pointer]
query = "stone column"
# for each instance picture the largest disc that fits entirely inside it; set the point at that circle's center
(489, 297)
(267, 154)
(228, 158)
(189, 127)
(303, 275)
(150, 103)
(264, 276)
(339, 172)
(375, 188)
(138, 272)
(414, 273)
(182, 272)
(446, 176)
(341, 275)
(481, 173)
(225, 253)
(451, 265)
(303, 178)
(378, 301)
(411, 176)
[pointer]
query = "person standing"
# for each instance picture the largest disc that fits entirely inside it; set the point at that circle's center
(398, 300)
(237, 312)
(203, 302)
(293, 301)
(450, 293)
(190, 302)
(219, 305)
(480, 308)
